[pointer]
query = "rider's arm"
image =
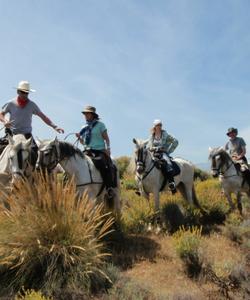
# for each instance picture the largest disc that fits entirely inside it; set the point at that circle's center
(107, 141)
(2, 118)
(6, 122)
(49, 122)
(170, 144)
(243, 153)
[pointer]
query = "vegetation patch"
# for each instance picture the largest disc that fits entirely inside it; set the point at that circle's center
(187, 244)
(51, 240)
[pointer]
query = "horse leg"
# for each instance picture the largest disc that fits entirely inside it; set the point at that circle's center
(229, 199)
(156, 195)
(239, 204)
(117, 202)
(186, 192)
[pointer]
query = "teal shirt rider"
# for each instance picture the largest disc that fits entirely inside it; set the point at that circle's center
(96, 140)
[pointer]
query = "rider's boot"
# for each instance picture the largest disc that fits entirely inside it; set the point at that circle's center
(246, 175)
(171, 183)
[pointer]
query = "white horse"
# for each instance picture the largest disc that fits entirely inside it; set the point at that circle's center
(150, 179)
(14, 160)
(231, 179)
(78, 165)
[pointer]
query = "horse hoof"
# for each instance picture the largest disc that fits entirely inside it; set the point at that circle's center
(157, 230)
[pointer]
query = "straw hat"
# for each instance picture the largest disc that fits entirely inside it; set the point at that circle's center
(24, 86)
(90, 109)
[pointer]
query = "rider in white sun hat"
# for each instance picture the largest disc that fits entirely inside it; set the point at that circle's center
(160, 140)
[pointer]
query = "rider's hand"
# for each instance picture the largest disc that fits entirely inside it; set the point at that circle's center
(59, 130)
(7, 124)
(78, 135)
(108, 151)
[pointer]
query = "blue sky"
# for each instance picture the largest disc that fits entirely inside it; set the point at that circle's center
(185, 62)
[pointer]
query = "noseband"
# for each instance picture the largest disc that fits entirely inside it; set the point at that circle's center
(20, 162)
(222, 163)
(52, 163)
(140, 161)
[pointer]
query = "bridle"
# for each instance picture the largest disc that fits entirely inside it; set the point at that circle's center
(21, 167)
(218, 168)
(53, 156)
(140, 162)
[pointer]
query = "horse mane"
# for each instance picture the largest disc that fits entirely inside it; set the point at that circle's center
(68, 149)
(225, 157)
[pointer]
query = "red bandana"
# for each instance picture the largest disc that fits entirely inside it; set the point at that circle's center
(22, 102)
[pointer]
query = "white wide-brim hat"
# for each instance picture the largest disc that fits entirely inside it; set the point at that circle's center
(24, 86)
(157, 122)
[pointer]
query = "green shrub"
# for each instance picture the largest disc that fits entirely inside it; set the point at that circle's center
(122, 164)
(172, 215)
(137, 213)
(126, 289)
(50, 239)
(31, 295)
(187, 243)
(200, 174)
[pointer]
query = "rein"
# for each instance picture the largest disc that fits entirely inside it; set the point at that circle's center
(141, 162)
(58, 159)
(222, 173)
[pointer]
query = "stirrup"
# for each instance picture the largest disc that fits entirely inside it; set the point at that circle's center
(172, 187)
(110, 192)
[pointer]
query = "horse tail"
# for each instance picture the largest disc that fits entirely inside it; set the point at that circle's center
(194, 197)
(196, 201)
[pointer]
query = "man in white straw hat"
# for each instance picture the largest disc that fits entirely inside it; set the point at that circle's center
(160, 140)
(20, 110)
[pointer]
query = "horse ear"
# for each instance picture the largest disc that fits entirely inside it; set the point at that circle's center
(221, 149)
(210, 149)
(29, 142)
(10, 140)
(38, 141)
(135, 141)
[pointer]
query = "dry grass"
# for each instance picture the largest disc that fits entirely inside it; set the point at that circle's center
(50, 239)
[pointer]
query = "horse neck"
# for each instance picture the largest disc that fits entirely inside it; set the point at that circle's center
(228, 167)
(149, 159)
(74, 165)
(4, 161)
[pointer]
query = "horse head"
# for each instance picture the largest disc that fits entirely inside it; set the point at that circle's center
(19, 155)
(48, 155)
(141, 153)
(219, 160)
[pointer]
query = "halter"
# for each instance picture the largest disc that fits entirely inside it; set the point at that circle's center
(22, 168)
(58, 158)
(52, 163)
(141, 162)
(219, 167)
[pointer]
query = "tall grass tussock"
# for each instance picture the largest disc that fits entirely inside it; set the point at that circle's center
(52, 240)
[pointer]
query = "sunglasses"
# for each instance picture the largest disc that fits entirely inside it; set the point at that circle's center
(22, 92)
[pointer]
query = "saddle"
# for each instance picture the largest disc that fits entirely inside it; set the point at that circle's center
(162, 165)
(105, 166)
(243, 169)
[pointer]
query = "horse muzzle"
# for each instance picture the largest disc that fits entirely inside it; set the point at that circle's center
(214, 173)
(139, 169)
